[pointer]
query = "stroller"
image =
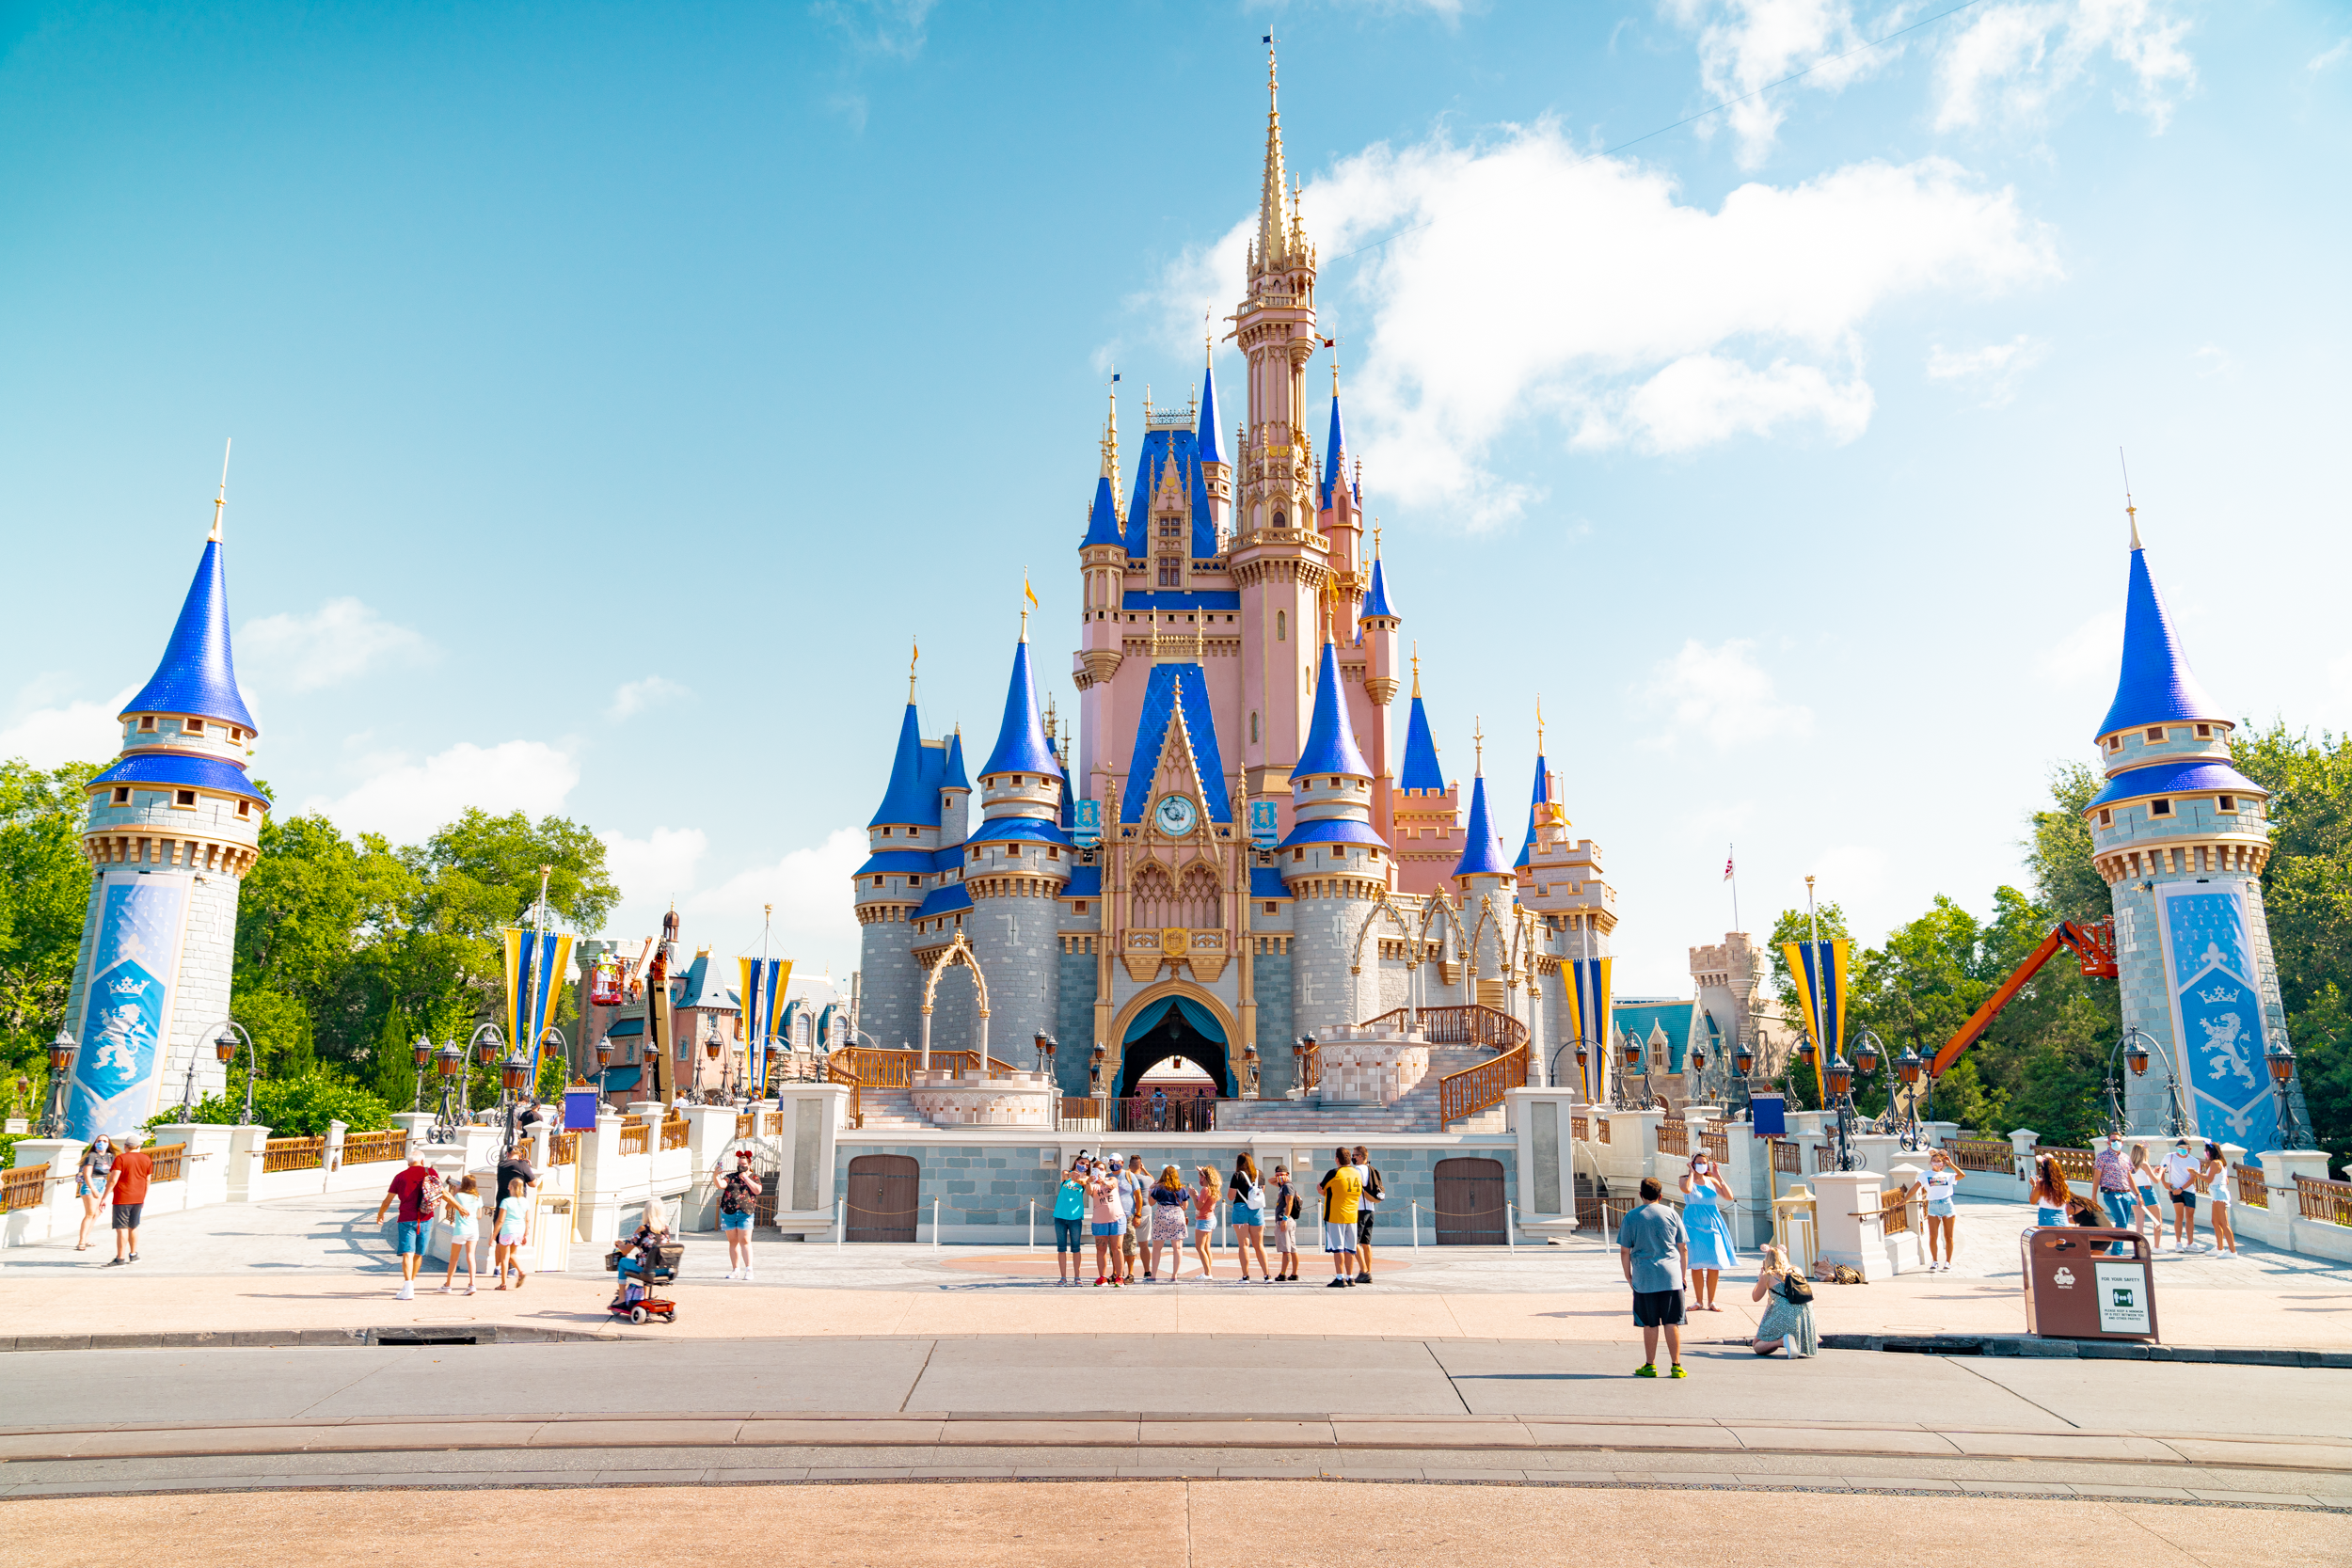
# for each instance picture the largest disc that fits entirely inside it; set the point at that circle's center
(637, 1301)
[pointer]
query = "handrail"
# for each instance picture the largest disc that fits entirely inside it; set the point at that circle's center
(21, 1188)
(1674, 1136)
(369, 1149)
(673, 1132)
(563, 1149)
(292, 1154)
(1987, 1154)
(633, 1139)
(1311, 1067)
(2251, 1188)
(1399, 1015)
(839, 1072)
(1481, 1086)
(1135, 1113)
(1474, 1024)
(2329, 1201)
(170, 1162)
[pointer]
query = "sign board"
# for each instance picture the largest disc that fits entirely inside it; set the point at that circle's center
(1769, 1112)
(2122, 1298)
(1266, 830)
(1085, 823)
(580, 1110)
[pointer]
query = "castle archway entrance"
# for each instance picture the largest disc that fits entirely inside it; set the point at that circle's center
(1172, 1025)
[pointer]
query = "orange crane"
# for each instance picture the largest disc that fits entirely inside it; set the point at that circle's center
(2093, 942)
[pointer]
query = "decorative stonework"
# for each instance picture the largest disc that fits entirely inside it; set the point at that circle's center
(1005, 1099)
(1370, 1065)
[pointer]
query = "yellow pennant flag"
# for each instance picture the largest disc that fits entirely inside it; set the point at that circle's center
(1029, 591)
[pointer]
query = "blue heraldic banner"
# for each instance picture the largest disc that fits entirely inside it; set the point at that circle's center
(2217, 1013)
(127, 1009)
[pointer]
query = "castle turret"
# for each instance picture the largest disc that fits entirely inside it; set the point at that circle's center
(1488, 889)
(1015, 866)
(1425, 811)
(900, 870)
(1377, 625)
(2180, 837)
(1542, 808)
(955, 796)
(1216, 475)
(173, 827)
(1333, 863)
(1103, 568)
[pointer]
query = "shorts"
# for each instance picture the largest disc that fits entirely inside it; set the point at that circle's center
(1107, 1228)
(411, 1237)
(1339, 1236)
(1246, 1215)
(1286, 1235)
(735, 1222)
(1066, 1235)
(1657, 1309)
(1363, 1225)
(1203, 1224)
(127, 1215)
(1129, 1242)
(2186, 1199)
(1942, 1208)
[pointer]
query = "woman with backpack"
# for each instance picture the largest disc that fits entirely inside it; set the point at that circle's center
(1249, 1216)
(739, 1200)
(1789, 1318)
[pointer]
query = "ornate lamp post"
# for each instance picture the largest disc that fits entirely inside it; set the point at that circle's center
(1842, 1098)
(604, 1068)
(61, 1051)
(1743, 1062)
(1908, 1067)
(2131, 1050)
(1698, 1066)
(225, 1047)
(1094, 1074)
(1045, 1043)
(422, 1053)
(450, 1063)
(2280, 1059)
(1633, 1063)
(1584, 1073)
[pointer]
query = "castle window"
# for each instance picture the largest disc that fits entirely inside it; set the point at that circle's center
(2156, 734)
(1282, 625)
(244, 808)
(915, 881)
(2115, 743)
(1269, 905)
(236, 734)
(2107, 818)
(1171, 576)
(1078, 905)
(976, 854)
(2204, 732)
(1053, 851)
(2159, 808)
(1299, 854)
(122, 795)
(1335, 783)
(192, 726)
(147, 724)
(885, 832)
(184, 797)
(1254, 719)
(1281, 521)
(2224, 802)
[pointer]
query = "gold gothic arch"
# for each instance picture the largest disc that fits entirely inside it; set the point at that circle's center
(959, 952)
(1117, 1044)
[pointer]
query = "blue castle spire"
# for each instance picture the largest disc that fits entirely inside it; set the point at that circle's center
(2156, 685)
(1332, 470)
(953, 778)
(1330, 739)
(1376, 597)
(1205, 426)
(1102, 521)
(1482, 856)
(198, 676)
(1021, 739)
(913, 797)
(1538, 802)
(1420, 770)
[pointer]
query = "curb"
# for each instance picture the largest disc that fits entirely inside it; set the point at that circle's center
(262, 1338)
(2030, 1347)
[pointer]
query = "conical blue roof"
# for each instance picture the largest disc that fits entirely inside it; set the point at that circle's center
(2156, 685)
(1330, 739)
(1376, 597)
(1204, 427)
(1021, 739)
(1103, 521)
(1535, 804)
(1420, 752)
(952, 778)
(1338, 443)
(1483, 855)
(198, 676)
(912, 798)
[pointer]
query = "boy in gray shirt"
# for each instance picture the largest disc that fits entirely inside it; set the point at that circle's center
(1656, 1256)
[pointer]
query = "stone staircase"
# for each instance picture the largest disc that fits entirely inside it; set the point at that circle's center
(891, 1111)
(1415, 1110)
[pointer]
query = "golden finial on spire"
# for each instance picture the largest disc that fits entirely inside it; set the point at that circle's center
(1539, 723)
(1417, 669)
(1375, 539)
(1478, 739)
(914, 652)
(1110, 440)
(221, 500)
(2129, 509)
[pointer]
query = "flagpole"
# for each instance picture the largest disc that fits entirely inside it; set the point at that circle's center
(767, 917)
(1731, 866)
(530, 1017)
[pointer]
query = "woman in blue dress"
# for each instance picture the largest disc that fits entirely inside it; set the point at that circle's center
(1707, 1230)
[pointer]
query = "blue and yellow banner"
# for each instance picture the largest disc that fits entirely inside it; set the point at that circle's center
(1821, 971)
(127, 1007)
(762, 989)
(536, 964)
(1588, 1009)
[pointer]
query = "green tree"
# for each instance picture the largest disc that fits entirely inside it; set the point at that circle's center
(296, 1107)
(319, 918)
(1829, 920)
(2057, 848)
(44, 890)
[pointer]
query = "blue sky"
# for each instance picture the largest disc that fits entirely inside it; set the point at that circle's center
(617, 389)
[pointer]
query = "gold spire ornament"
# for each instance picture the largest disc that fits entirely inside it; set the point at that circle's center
(221, 500)
(915, 655)
(1417, 671)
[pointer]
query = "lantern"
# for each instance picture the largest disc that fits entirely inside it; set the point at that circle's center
(1865, 1055)
(1909, 1065)
(515, 1074)
(1806, 1052)
(1698, 1058)
(421, 1051)
(605, 986)
(1632, 1054)
(61, 1053)
(487, 1047)
(604, 1055)
(2136, 1057)
(1743, 1059)
(2281, 1059)
(1841, 1076)
(224, 1046)
(452, 1059)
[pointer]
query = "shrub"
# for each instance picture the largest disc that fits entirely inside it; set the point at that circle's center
(296, 1107)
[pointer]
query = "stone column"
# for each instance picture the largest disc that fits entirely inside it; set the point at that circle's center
(246, 1147)
(203, 1168)
(2022, 1143)
(60, 1212)
(595, 1208)
(1850, 1231)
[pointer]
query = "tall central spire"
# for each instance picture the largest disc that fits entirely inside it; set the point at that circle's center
(1272, 227)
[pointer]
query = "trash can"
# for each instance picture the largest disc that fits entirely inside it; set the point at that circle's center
(2076, 1290)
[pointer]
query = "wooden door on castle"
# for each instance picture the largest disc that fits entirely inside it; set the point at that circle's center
(882, 1192)
(1469, 1202)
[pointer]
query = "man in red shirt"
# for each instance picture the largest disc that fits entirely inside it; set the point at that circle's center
(415, 1217)
(126, 1188)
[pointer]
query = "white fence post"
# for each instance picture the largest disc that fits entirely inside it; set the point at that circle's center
(934, 1221)
(1416, 1225)
(840, 1219)
(1032, 1224)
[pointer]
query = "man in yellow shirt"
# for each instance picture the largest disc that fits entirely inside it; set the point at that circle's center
(1343, 1193)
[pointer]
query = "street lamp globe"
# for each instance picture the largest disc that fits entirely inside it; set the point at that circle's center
(1865, 1055)
(61, 1052)
(1698, 1058)
(516, 1073)
(604, 1055)
(1743, 1059)
(2281, 1059)
(2136, 1057)
(1909, 1065)
(422, 1052)
(224, 1046)
(1806, 1052)
(1632, 1054)
(1841, 1076)
(487, 1047)
(452, 1057)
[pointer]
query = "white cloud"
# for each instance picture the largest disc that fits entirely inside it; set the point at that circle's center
(1747, 46)
(2089, 654)
(2012, 63)
(49, 734)
(339, 640)
(656, 868)
(405, 801)
(1723, 695)
(896, 28)
(635, 697)
(1634, 319)
(2331, 59)
(1992, 372)
(815, 923)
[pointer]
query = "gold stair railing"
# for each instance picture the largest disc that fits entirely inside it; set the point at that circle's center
(1475, 1088)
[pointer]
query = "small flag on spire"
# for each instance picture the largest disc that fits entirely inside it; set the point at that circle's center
(1028, 591)
(1727, 869)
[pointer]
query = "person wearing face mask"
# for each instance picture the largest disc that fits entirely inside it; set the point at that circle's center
(1707, 1228)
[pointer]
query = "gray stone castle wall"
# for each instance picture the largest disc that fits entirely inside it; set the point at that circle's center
(1075, 1034)
(1271, 983)
(1324, 993)
(892, 987)
(1020, 952)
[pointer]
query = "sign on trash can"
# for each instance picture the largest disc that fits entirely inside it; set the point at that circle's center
(2077, 1289)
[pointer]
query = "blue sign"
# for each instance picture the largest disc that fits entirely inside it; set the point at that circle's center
(1085, 823)
(127, 1007)
(2217, 1013)
(1770, 1114)
(1265, 830)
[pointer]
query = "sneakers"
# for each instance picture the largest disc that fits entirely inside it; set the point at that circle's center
(1676, 1372)
(116, 1262)
(1645, 1369)
(1338, 1284)
(405, 1292)
(1365, 1279)
(1099, 1281)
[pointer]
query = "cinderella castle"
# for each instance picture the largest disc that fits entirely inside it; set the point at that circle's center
(1241, 850)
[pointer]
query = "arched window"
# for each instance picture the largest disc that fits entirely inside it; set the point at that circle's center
(1155, 897)
(1281, 626)
(1280, 521)
(1196, 899)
